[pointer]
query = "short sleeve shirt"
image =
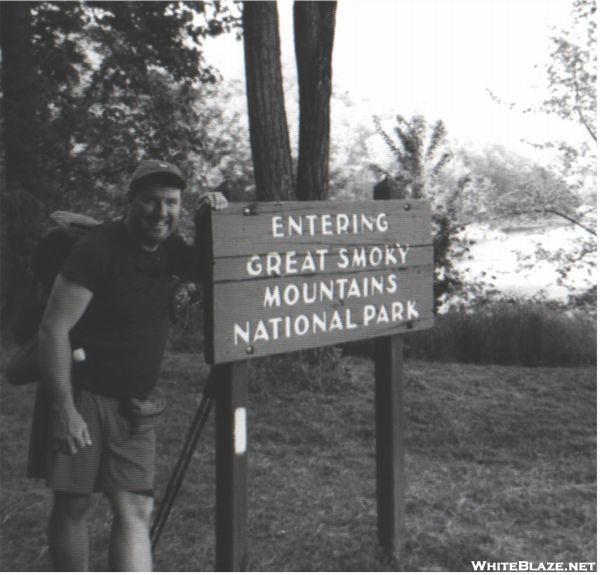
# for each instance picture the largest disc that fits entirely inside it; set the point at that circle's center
(124, 329)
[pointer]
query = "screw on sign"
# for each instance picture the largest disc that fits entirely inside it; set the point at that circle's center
(295, 275)
(287, 276)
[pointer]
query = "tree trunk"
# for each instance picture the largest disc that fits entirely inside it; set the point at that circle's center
(20, 205)
(269, 136)
(314, 24)
(19, 102)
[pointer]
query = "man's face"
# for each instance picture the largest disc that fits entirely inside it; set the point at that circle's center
(154, 214)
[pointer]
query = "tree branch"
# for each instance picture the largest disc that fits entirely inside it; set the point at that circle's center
(568, 218)
(528, 212)
(582, 119)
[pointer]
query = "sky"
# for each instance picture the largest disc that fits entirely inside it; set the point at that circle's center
(442, 59)
(439, 58)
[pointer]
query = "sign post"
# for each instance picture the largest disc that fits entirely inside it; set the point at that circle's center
(390, 427)
(231, 389)
(286, 276)
(390, 438)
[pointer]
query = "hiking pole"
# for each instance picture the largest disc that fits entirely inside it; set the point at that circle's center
(180, 469)
(183, 462)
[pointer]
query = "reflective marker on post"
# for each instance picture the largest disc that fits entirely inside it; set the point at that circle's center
(239, 431)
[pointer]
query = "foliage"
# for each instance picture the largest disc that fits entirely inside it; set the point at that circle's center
(187, 331)
(140, 96)
(116, 81)
(37, 99)
(517, 187)
(422, 155)
(224, 128)
(350, 177)
(586, 301)
(572, 78)
(526, 332)
(516, 332)
(575, 257)
(572, 75)
(565, 189)
(512, 190)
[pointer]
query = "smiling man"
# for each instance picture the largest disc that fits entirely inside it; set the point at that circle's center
(110, 308)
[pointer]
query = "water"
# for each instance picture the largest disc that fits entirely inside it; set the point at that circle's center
(500, 255)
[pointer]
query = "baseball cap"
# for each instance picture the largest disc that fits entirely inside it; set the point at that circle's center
(150, 167)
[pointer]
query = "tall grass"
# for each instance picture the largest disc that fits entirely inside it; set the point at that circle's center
(509, 333)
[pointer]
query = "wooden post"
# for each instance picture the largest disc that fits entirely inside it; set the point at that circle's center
(231, 389)
(390, 425)
(390, 437)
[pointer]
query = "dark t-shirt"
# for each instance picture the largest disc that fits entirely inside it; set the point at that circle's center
(124, 329)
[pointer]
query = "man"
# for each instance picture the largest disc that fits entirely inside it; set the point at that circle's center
(110, 303)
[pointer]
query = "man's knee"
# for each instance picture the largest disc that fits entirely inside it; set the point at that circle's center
(130, 506)
(71, 506)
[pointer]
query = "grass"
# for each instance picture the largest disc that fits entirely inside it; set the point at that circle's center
(501, 466)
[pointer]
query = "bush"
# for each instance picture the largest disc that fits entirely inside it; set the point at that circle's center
(523, 332)
(187, 331)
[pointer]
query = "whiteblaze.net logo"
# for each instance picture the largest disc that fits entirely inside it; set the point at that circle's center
(533, 566)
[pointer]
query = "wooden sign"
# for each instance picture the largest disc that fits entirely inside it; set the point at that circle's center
(286, 276)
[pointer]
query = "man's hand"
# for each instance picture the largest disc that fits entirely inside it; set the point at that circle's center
(68, 302)
(70, 431)
(214, 200)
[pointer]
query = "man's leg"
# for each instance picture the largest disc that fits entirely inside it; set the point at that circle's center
(68, 532)
(130, 548)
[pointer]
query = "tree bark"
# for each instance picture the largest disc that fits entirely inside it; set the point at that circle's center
(314, 25)
(19, 101)
(18, 186)
(269, 136)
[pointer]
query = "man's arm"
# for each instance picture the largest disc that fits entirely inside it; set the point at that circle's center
(65, 307)
(191, 259)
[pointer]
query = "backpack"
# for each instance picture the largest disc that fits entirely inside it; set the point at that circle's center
(64, 230)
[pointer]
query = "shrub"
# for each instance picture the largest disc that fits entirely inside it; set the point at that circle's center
(528, 333)
(187, 333)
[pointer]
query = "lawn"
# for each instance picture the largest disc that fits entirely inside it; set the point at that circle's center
(501, 466)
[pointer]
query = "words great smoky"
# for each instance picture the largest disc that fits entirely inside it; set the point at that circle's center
(345, 258)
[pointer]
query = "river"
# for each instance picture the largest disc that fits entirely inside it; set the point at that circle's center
(499, 253)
